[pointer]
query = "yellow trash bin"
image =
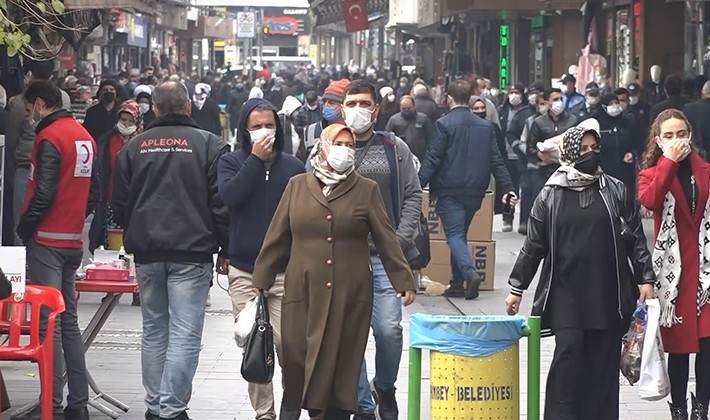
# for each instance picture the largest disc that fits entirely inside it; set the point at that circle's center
(475, 388)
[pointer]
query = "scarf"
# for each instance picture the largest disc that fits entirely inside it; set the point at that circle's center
(667, 264)
(328, 177)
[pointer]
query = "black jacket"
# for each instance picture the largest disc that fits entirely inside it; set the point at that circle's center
(207, 118)
(427, 106)
(252, 189)
(514, 134)
(582, 112)
(99, 120)
(617, 139)
(540, 243)
(543, 128)
(698, 114)
(46, 176)
(103, 172)
(165, 193)
(462, 156)
(673, 102)
(641, 112)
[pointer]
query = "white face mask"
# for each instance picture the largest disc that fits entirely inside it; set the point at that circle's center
(494, 92)
(592, 100)
(557, 107)
(613, 110)
(390, 98)
(515, 99)
(358, 119)
(633, 100)
(312, 107)
(686, 146)
(341, 158)
(126, 130)
(624, 105)
(532, 98)
(144, 108)
(563, 88)
(257, 135)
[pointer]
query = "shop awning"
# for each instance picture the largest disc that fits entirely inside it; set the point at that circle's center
(142, 6)
(331, 11)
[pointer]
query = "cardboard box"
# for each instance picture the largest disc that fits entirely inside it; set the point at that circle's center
(484, 261)
(481, 228)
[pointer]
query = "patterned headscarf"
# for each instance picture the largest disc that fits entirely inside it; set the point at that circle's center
(571, 144)
(131, 107)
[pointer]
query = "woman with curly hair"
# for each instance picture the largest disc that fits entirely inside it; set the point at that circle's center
(675, 185)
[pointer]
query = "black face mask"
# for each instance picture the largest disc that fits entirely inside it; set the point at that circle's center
(480, 114)
(587, 163)
(109, 97)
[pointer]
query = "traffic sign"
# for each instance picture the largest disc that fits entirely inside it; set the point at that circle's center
(246, 25)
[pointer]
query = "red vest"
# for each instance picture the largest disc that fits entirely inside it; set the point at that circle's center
(63, 224)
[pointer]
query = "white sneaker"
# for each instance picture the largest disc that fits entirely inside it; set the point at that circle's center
(208, 303)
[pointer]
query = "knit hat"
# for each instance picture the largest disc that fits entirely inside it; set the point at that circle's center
(336, 91)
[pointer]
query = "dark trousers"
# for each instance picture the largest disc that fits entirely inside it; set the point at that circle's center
(56, 267)
(531, 183)
(583, 383)
(514, 172)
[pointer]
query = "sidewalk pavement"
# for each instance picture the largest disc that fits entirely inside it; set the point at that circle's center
(219, 392)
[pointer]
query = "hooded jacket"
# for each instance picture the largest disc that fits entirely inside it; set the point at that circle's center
(252, 188)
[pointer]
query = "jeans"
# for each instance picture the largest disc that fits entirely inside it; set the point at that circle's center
(531, 183)
(56, 267)
(22, 175)
(173, 298)
(456, 214)
(387, 329)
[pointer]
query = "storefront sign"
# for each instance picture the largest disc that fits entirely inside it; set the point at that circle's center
(138, 31)
(298, 12)
(246, 25)
(504, 57)
(280, 25)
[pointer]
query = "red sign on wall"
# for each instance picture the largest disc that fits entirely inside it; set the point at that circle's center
(281, 25)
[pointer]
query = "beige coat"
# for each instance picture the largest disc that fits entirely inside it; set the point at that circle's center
(327, 303)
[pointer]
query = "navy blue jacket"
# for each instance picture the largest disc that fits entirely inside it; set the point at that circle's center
(252, 189)
(462, 156)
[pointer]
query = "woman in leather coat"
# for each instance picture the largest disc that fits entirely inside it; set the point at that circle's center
(586, 233)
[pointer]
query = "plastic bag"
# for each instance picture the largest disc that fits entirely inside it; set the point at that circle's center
(244, 323)
(632, 344)
(654, 384)
(475, 336)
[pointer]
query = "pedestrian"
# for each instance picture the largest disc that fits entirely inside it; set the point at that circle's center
(62, 191)
(205, 110)
(252, 180)
(320, 230)
(584, 229)
(101, 117)
(617, 158)
(332, 112)
(165, 196)
(411, 126)
(459, 163)
(673, 184)
(697, 113)
(144, 98)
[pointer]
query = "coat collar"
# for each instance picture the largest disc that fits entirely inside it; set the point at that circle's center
(317, 192)
(701, 172)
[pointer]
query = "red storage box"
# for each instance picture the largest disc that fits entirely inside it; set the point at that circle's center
(106, 273)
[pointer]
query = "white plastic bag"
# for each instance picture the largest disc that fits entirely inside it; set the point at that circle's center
(245, 323)
(654, 383)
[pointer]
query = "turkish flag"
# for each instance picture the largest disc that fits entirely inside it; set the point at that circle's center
(355, 15)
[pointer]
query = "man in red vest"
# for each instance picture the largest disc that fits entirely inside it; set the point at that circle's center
(62, 191)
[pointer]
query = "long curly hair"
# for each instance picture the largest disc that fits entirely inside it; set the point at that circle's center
(653, 152)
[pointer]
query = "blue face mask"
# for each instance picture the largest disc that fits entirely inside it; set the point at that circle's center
(239, 86)
(330, 114)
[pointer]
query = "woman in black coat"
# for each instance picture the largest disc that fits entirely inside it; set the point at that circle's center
(617, 157)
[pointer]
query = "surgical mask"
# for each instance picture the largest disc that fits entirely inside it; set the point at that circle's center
(532, 98)
(515, 99)
(685, 142)
(312, 107)
(564, 89)
(592, 100)
(403, 85)
(542, 109)
(624, 105)
(330, 114)
(409, 115)
(633, 100)
(613, 110)
(588, 163)
(108, 97)
(359, 119)
(494, 92)
(257, 135)
(557, 108)
(390, 98)
(126, 130)
(32, 119)
(144, 108)
(341, 158)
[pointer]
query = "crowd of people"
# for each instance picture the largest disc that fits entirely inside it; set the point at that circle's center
(307, 185)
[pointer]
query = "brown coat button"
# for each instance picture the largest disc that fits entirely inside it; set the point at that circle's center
(329, 217)
(329, 262)
(329, 285)
(329, 240)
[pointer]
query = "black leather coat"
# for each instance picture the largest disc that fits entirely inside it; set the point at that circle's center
(633, 260)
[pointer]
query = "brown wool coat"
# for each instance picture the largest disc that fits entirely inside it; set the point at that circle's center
(327, 303)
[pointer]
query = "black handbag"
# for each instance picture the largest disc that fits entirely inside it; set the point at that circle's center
(421, 244)
(258, 359)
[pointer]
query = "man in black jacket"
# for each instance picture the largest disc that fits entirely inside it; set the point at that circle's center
(459, 162)
(165, 196)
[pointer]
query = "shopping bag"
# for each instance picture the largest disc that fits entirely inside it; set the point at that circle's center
(632, 343)
(258, 359)
(244, 323)
(653, 384)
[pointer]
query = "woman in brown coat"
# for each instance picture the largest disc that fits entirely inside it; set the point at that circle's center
(320, 230)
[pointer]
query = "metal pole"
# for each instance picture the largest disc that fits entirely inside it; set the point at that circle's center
(532, 331)
(414, 399)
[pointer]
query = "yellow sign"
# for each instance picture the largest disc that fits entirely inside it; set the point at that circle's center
(480, 388)
(313, 51)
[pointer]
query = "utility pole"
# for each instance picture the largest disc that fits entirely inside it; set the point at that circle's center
(261, 37)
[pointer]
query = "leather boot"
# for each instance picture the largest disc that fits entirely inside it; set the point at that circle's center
(679, 412)
(472, 284)
(699, 409)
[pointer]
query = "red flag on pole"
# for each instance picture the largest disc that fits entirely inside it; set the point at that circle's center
(355, 15)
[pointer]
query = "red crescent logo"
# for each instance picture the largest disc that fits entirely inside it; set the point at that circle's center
(88, 153)
(352, 11)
